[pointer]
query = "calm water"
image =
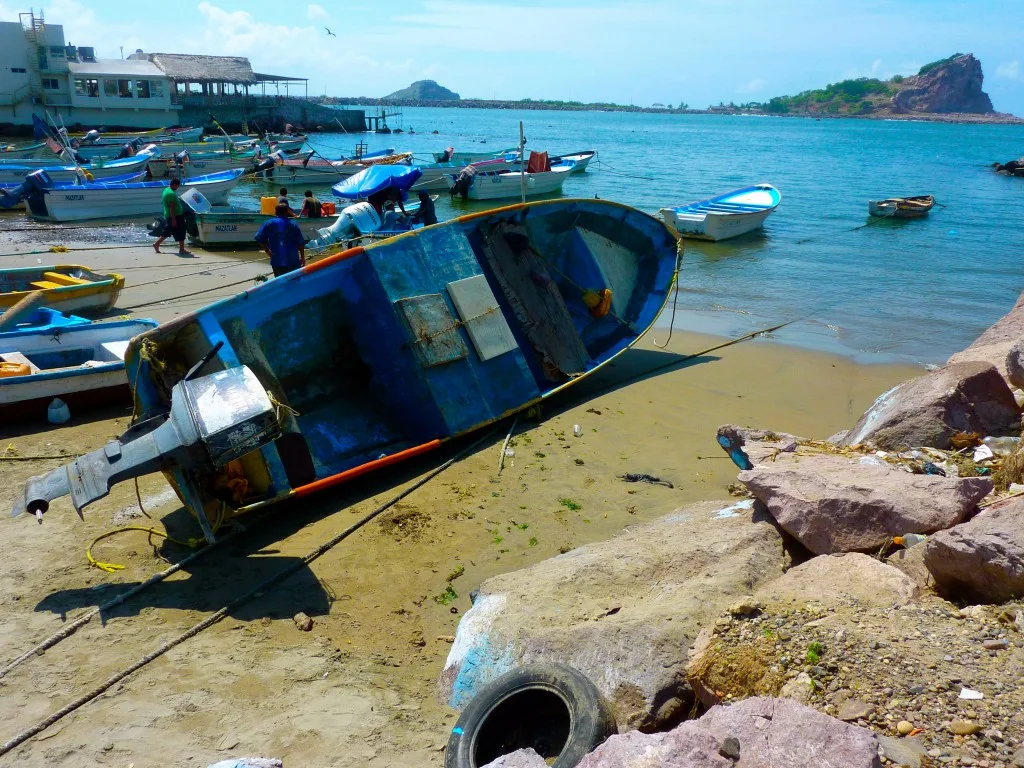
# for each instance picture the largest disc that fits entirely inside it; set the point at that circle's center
(917, 290)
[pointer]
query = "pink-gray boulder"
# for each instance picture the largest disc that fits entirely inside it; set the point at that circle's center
(994, 344)
(832, 504)
(982, 560)
(521, 758)
(929, 410)
(1015, 363)
(754, 733)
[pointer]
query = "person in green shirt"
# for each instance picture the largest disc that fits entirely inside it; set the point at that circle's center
(174, 213)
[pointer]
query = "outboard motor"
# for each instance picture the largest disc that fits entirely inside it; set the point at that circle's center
(355, 220)
(268, 164)
(213, 420)
(126, 151)
(30, 190)
(91, 137)
(150, 149)
(463, 182)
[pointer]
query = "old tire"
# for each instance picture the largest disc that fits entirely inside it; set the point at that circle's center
(552, 708)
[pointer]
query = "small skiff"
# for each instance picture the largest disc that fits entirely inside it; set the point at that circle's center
(12, 152)
(15, 174)
(375, 355)
(226, 228)
(78, 363)
(730, 215)
(902, 207)
(504, 183)
(66, 287)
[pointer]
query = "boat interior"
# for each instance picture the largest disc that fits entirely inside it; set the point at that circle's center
(48, 278)
(89, 346)
(423, 336)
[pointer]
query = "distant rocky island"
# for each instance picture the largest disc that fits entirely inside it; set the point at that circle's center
(947, 90)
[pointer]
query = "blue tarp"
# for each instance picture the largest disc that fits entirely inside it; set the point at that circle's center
(375, 179)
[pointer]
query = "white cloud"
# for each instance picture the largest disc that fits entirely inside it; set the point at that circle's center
(1010, 70)
(316, 12)
(755, 85)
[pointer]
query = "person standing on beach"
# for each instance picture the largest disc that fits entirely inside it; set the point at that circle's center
(283, 242)
(174, 213)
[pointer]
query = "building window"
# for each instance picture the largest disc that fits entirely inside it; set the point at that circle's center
(142, 89)
(51, 84)
(57, 51)
(89, 87)
(110, 88)
(124, 89)
(156, 89)
(19, 70)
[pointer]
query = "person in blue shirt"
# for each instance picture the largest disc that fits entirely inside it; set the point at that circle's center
(283, 242)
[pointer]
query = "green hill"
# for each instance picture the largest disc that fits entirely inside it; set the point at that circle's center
(424, 90)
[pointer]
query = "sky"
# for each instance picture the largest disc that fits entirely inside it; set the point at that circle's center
(642, 52)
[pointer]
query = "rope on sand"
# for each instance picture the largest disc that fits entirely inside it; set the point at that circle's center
(256, 591)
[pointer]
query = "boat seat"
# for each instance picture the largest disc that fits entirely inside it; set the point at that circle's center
(62, 279)
(17, 357)
(115, 349)
(45, 285)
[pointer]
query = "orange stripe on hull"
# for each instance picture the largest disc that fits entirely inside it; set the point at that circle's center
(362, 469)
(333, 259)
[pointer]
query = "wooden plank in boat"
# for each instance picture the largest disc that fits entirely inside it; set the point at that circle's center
(536, 300)
(435, 333)
(482, 317)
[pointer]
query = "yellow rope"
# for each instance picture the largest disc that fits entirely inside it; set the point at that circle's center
(195, 543)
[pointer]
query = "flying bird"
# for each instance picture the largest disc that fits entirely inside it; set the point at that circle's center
(330, 33)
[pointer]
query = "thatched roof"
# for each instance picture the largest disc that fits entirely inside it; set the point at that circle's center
(185, 67)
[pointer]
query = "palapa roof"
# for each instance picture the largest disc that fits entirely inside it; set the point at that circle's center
(185, 67)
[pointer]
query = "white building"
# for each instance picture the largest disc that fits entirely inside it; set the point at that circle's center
(40, 72)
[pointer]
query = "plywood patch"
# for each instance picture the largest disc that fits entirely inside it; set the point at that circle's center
(482, 317)
(435, 334)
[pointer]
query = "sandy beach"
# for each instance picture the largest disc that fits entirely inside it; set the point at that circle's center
(359, 688)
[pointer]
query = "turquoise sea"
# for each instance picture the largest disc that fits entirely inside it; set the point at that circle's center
(913, 290)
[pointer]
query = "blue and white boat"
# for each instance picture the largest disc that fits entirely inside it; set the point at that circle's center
(729, 215)
(105, 200)
(78, 363)
(15, 173)
(42, 320)
(375, 355)
(13, 195)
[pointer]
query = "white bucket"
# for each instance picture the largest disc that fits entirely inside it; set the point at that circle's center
(58, 412)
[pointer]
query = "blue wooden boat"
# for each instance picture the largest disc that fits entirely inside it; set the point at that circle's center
(729, 215)
(378, 354)
(43, 320)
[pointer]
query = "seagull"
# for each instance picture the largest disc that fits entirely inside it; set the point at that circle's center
(330, 33)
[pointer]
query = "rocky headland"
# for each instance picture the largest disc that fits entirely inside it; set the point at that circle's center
(859, 602)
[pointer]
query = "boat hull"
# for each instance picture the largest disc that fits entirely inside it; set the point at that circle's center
(506, 186)
(384, 353)
(69, 173)
(724, 216)
(901, 208)
(239, 229)
(21, 153)
(80, 203)
(82, 290)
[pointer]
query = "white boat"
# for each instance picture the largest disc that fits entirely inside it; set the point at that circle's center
(14, 174)
(503, 183)
(65, 202)
(724, 216)
(13, 152)
(466, 158)
(231, 228)
(580, 160)
(77, 363)
(200, 164)
(310, 170)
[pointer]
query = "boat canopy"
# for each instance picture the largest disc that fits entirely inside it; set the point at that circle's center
(377, 178)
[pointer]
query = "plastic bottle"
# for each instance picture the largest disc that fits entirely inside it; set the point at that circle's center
(58, 412)
(1002, 446)
(909, 540)
(577, 430)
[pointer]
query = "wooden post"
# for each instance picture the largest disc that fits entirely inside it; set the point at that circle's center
(522, 162)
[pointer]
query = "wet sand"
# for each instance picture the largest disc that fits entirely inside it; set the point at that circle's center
(358, 689)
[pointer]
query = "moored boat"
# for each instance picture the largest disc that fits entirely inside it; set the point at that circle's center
(723, 216)
(480, 182)
(580, 160)
(378, 354)
(14, 174)
(902, 207)
(77, 363)
(14, 152)
(65, 287)
(317, 170)
(66, 202)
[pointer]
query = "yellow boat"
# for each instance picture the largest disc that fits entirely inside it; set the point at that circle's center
(65, 287)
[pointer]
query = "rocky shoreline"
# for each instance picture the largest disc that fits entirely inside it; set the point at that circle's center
(863, 591)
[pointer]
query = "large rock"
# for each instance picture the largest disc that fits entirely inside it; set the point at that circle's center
(830, 504)
(521, 758)
(951, 85)
(754, 733)
(1015, 363)
(758, 445)
(982, 560)
(624, 611)
(994, 344)
(929, 410)
(834, 580)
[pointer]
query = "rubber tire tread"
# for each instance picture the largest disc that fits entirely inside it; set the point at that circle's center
(590, 719)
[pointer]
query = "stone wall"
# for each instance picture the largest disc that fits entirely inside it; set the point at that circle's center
(301, 113)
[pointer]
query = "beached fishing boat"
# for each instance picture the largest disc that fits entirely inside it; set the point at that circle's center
(77, 363)
(13, 196)
(237, 229)
(902, 207)
(730, 215)
(484, 182)
(65, 287)
(42, 320)
(66, 202)
(15, 173)
(14, 152)
(375, 355)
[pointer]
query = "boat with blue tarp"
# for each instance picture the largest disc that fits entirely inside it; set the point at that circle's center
(730, 215)
(375, 355)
